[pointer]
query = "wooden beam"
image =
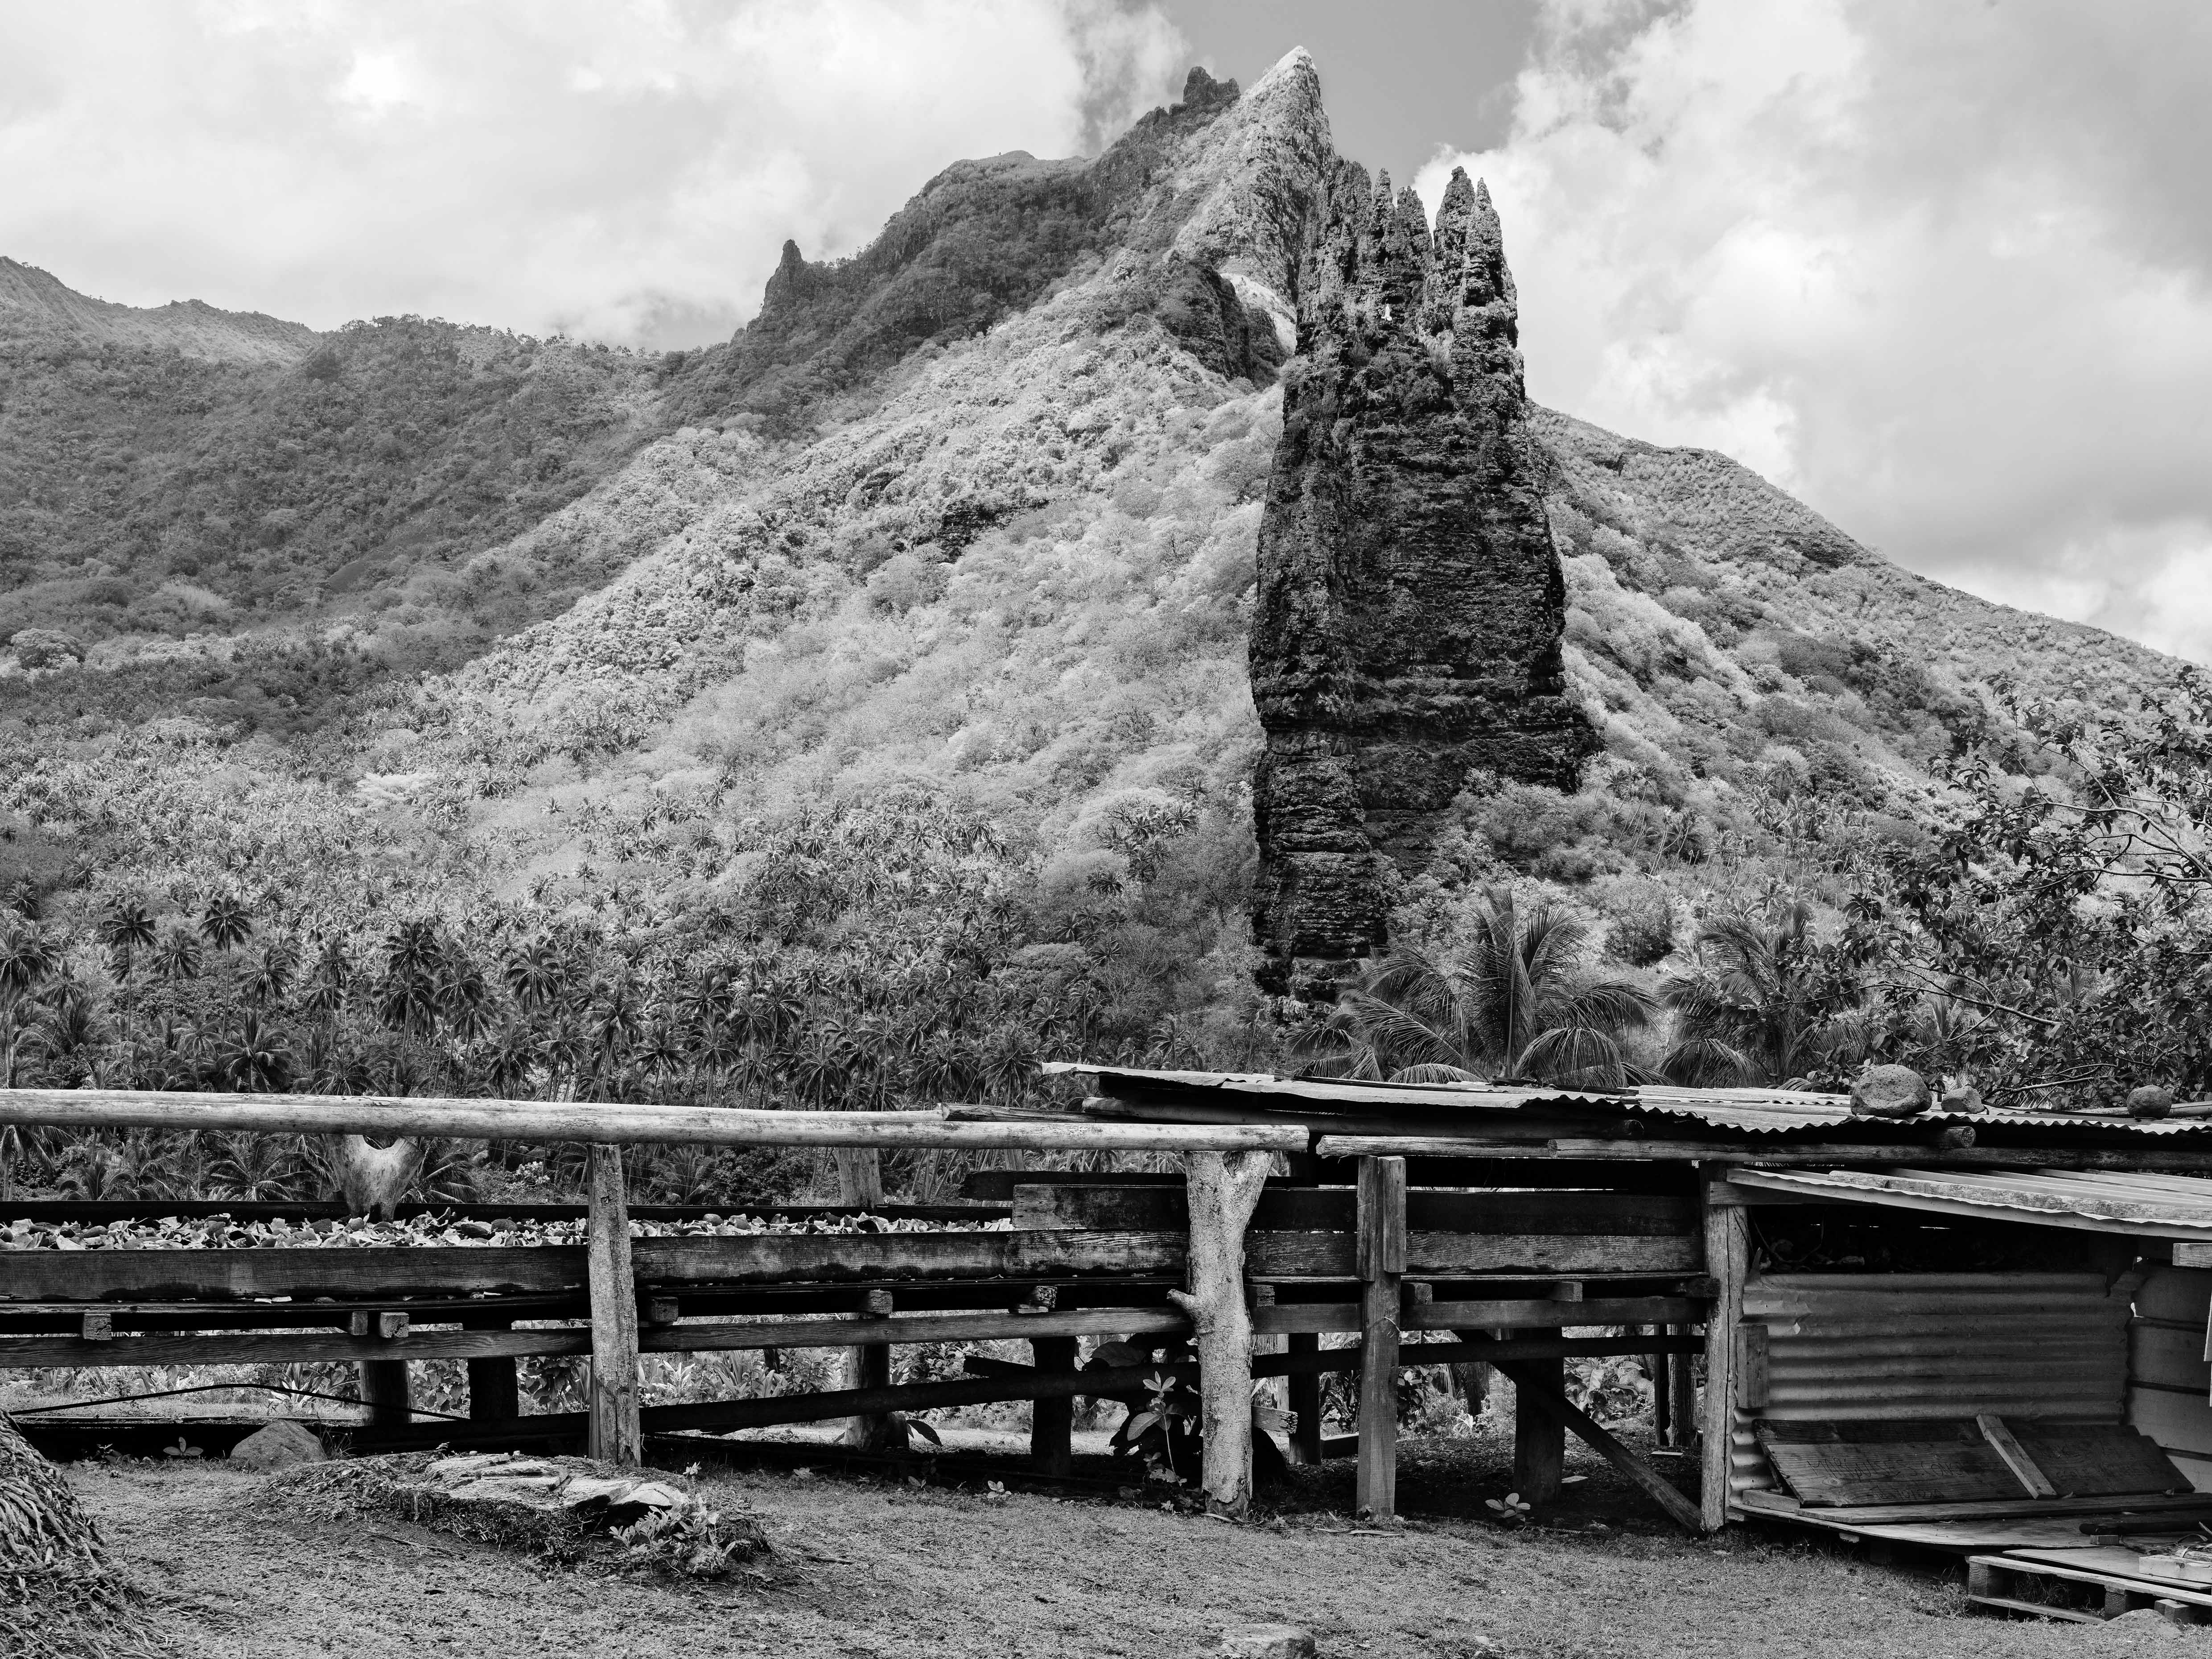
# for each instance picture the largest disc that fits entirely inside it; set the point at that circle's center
(1333, 1210)
(1727, 1260)
(867, 1365)
(1540, 1390)
(615, 1436)
(601, 1122)
(708, 1336)
(1380, 1264)
(1447, 1255)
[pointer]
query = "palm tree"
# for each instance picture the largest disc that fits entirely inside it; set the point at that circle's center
(178, 956)
(126, 927)
(1758, 1007)
(225, 923)
(1512, 1002)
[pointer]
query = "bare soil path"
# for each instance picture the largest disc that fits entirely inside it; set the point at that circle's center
(868, 1570)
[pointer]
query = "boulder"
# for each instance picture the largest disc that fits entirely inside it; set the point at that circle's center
(1890, 1091)
(2149, 1101)
(1267, 1641)
(278, 1446)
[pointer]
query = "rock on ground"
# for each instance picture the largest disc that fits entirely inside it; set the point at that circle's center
(278, 1446)
(1267, 1641)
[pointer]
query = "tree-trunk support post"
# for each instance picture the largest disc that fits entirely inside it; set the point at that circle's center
(614, 1435)
(1052, 1422)
(1380, 1262)
(1727, 1252)
(1224, 1189)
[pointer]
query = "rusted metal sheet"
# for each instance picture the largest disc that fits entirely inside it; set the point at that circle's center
(2146, 1206)
(1922, 1346)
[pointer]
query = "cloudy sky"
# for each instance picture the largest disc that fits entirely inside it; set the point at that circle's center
(1939, 270)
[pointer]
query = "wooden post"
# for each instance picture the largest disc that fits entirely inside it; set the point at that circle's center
(1728, 1250)
(385, 1393)
(1380, 1264)
(1540, 1439)
(1224, 1189)
(861, 1185)
(495, 1394)
(1304, 1398)
(614, 1435)
(1052, 1422)
(1535, 1391)
(1681, 1395)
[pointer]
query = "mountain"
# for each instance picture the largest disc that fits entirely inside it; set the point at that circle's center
(910, 624)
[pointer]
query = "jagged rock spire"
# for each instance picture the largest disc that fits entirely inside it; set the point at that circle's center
(1411, 605)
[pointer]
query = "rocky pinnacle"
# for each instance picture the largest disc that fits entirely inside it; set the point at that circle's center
(1407, 636)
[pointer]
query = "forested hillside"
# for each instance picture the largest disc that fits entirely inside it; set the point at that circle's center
(858, 711)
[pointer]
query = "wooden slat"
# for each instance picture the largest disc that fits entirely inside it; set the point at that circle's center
(1323, 1209)
(2100, 1461)
(2016, 1456)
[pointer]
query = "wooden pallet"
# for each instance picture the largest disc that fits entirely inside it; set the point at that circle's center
(2086, 1586)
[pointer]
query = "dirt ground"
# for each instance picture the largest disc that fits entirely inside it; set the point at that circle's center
(870, 1568)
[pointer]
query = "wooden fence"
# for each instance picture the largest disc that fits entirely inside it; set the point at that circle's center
(1502, 1274)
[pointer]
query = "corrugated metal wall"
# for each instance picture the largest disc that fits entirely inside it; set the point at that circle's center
(2169, 1382)
(1904, 1347)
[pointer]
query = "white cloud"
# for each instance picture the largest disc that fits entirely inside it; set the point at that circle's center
(1941, 270)
(624, 171)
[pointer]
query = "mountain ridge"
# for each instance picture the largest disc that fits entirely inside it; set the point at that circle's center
(1004, 568)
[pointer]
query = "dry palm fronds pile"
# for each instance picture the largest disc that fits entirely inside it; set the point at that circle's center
(59, 1594)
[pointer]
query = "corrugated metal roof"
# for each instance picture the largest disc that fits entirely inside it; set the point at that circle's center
(2147, 1205)
(1754, 1111)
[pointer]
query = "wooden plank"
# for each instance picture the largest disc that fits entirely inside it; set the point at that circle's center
(614, 1435)
(386, 1391)
(28, 1318)
(283, 1348)
(2021, 1465)
(2086, 1461)
(1832, 1463)
(1330, 1255)
(2182, 1507)
(1535, 1387)
(1380, 1261)
(1111, 1206)
(593, 1121)
(1728, 1260)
